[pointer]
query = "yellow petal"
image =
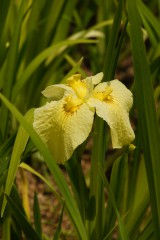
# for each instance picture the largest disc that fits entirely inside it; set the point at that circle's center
(96, 78)
(122, 94)
(118, 120)
(80, 87)
(73, 78)
(56, 92)
(63, 131)
(113, 103)
(119, 93)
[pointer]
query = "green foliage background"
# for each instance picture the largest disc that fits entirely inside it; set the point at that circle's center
(42, 43)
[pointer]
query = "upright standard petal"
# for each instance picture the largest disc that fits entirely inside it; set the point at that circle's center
(63, 126)
(96, 79)
(79, 86)
(56, 92)
(113, 101)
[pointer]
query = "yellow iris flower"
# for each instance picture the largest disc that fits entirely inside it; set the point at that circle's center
(67, 119)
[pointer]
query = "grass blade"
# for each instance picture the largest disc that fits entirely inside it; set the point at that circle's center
(5, 4)
(3, 14)
(99, 140)
(57, 233)
(147, 233)
(19, 146)
(74, 170)
(30, 169)
(109, 62)
(37, 216)
(123, 232)
(117, 183)
(11, 65)
(22, 220)
(147, 114)
(149, 16)
(50, 51)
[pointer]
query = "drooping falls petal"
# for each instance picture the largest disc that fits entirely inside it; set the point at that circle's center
(63, 129)
(118, 92)
(113, 101)
(118, 120)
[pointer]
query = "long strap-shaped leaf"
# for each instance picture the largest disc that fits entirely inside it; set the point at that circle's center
(99, 140)
(53, 167)
(122, 229)
(10, 70)
(18, 149)
(146, 112)
(3, 14)
(35, 63)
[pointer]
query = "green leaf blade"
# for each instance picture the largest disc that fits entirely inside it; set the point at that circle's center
(147, 114)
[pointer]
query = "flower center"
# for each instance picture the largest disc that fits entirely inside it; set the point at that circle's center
(78, 86)
(72, 104)
(104, 96)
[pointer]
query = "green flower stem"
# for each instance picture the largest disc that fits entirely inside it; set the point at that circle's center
(74, 170)
(99, 139)
(96, 186)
